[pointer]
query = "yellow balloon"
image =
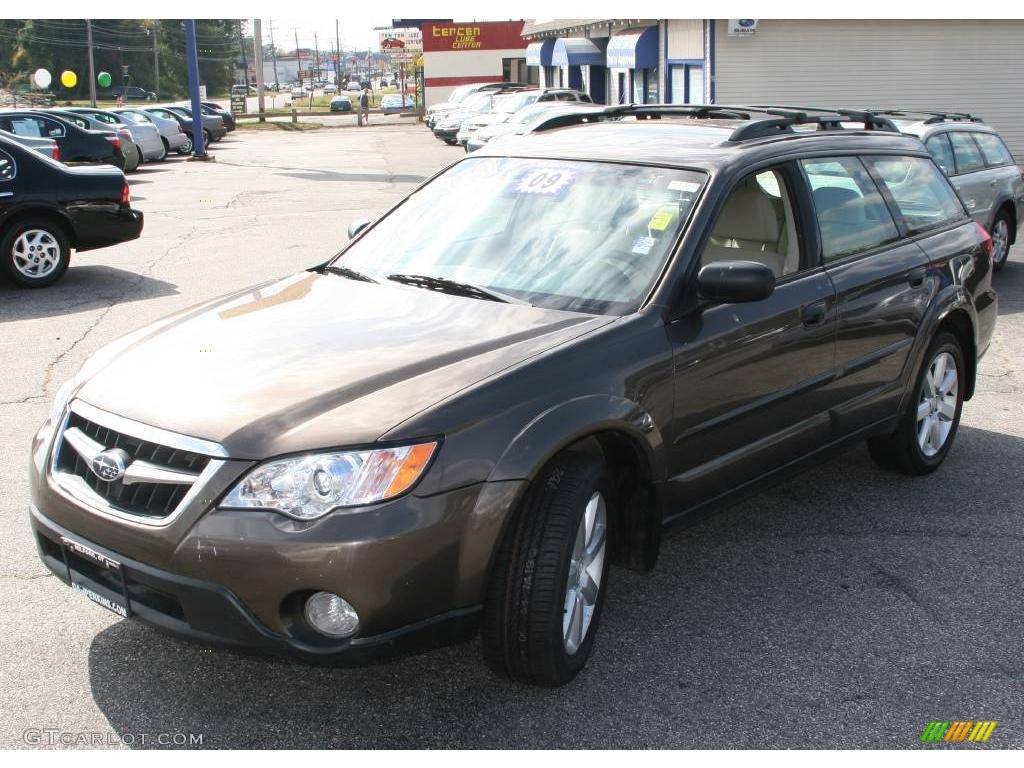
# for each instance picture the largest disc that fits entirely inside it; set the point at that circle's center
(68, 78)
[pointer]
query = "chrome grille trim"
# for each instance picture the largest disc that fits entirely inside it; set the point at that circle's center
(148, 433)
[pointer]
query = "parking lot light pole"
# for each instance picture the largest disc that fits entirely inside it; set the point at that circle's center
(198, 145)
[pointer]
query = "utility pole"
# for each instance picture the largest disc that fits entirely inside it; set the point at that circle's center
(337, 55)
(245, 61)
(257, 38)
(192, 55)
(298, 57)
(156, 57)
(92, 64)
(316, 53)
(273, 54)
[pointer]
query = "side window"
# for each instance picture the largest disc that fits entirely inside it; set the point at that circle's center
(921, 193)
(968, 156)
(27, 126)
(8, 170)
(757, 224)
(942, 153)
(566, 96)
(52, 129)
(852, 216)
(993, 149)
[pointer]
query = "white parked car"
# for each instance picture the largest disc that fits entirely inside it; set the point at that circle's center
(298, 93)
(330, 88)
(352, 85)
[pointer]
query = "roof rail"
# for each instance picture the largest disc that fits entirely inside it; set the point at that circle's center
(781, 119)
(932, 115)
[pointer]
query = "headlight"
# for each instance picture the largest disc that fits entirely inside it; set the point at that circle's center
(308, 487)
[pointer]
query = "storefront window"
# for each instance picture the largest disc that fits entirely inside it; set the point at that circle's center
(639, 87)
(687, 83)
(651, 78)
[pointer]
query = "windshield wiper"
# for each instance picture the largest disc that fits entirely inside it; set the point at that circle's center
(351, 274)
(455, 288)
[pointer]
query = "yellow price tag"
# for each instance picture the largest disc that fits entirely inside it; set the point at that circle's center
(660, 220)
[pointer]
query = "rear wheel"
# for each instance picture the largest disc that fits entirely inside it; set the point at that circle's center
(36, 253)
(207, 141)
(1000, 240)
(929, 423)
(186, 148)
(549, 582)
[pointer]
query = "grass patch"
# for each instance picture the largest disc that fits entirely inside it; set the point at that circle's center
(277, 125)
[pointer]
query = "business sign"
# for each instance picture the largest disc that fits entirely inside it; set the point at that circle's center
(742, 27)
(474, 36)
(391, 42)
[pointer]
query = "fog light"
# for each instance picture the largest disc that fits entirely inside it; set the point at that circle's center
(331, 615)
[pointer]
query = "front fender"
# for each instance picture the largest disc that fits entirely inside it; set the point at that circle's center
(571, 421)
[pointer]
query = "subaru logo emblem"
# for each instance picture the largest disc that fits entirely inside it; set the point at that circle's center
(109, 465)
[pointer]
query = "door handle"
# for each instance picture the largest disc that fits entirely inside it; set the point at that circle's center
(814, 314)
(916, 277)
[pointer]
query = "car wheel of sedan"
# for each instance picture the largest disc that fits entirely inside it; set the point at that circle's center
(1000, 240)
(929, 424)
(36, 253)
(186, 148)
(207, 141)
(549, 582)
(163, 152)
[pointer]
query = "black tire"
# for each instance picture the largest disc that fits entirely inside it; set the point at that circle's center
(901, 451)
(522, 632)
(207, 141)
(186, 148)
(163, 152)
(142, 158)
(1002, 219)
(10, 262)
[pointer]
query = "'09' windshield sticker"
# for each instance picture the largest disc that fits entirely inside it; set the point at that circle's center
(547, 182)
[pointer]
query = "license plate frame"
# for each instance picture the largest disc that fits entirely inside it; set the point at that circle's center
(113, 597)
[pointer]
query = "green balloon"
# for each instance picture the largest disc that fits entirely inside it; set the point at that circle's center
(104, 79)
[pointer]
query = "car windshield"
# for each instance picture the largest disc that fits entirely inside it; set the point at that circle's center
(524, 116)
(460, 93)
(579, 236)
(514, 102)
(134, 117)
(478, 102)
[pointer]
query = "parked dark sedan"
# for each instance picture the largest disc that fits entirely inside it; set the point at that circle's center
(214, 109)
(47, 209)
(76, 145)
(213, 125)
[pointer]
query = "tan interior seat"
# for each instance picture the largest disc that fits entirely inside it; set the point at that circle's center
(749, 228)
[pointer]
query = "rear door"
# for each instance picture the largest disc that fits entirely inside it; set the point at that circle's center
(879, 279)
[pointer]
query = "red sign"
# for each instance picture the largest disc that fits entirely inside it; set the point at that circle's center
(473, 36)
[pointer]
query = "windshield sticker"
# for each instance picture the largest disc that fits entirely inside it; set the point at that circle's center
(643, 244)
(547, 182)
(683, 186)
(659, 221)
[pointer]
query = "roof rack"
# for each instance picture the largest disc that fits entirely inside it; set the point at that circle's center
(780, 121)
(933, 116)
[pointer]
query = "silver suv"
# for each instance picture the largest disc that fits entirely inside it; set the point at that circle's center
(982, 170)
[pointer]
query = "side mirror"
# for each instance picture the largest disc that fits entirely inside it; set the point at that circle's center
(731, 282)
(357, 226)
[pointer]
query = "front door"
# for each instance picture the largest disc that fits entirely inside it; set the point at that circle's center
(749, 378)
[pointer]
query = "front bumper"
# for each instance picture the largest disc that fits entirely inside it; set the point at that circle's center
(446, 134)
(415, 568)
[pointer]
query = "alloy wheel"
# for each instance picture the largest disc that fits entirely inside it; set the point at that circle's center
(936, 408)
(586, 571)
(36, 253)
(1000, 240)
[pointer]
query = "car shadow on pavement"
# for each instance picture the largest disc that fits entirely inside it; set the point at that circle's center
(1009, 285)
(81, 289)
(844, 608)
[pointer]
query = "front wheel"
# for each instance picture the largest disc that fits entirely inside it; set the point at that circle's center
(36, 253)
(550, 578)
(207, 141)
(1000, 240)
(929, 423)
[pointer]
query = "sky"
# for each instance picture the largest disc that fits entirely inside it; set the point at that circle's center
(356, 29)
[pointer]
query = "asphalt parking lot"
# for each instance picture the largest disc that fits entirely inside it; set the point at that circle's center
(845, 608)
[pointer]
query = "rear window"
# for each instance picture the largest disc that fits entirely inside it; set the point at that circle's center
(993, 149)
(922, 195)
(968, 156)
(852, 216)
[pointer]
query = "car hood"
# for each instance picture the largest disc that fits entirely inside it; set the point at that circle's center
(490, 118)
(315, 360)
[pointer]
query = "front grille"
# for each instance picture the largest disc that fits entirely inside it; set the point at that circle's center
(151, 500)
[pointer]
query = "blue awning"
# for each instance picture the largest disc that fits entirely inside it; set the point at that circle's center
(576, 52)
(637, 50)
(539, 54)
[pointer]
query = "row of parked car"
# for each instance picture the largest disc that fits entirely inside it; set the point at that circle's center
(62, 182)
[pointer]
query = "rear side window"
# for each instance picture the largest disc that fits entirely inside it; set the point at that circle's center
(942, 153)
(852, 216)
(968, 156)
(993, 149)
(922, 195)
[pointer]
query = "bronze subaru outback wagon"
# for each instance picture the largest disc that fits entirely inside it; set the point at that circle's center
(517, 378)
